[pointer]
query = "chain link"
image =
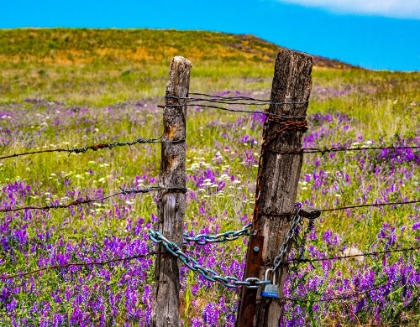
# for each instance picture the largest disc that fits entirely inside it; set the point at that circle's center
(209, 274)
(290, 235)
(203, 239)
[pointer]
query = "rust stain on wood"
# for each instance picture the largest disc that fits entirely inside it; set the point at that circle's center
(249, 296)
(171, 132)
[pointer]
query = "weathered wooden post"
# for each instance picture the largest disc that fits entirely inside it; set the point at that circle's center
(171, 205)
(278, 176)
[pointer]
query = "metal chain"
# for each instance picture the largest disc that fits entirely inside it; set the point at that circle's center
(284, 248)
(209, 274)
(203, 239)
(229, 281)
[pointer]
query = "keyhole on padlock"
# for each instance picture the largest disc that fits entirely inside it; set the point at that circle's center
(270, 290)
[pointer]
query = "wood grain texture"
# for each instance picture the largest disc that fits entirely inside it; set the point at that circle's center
(278, 174)
(171, 205)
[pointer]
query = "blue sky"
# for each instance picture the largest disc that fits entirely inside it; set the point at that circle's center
(377, 34)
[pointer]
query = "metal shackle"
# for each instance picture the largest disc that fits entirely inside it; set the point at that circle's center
(274, 275)
(270, 290)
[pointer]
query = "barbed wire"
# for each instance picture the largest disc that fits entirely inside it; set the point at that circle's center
(343, 296)
(234, 100)
(366, 254)
(343, 149)
(183, 190)
(370, 205)
(78, 264)
(225, 100)
(95, 147)
(238, 97)
(237, 110)
(98, 199)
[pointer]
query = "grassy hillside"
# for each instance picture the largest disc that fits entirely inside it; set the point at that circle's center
(71, 88)
(78, 46)
(102, 67)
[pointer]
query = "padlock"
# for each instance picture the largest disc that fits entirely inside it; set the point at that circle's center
(270, 290)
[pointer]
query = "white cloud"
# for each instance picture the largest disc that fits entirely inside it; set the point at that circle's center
(389, 8)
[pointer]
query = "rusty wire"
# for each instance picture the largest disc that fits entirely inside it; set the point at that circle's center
(238, 100)
(366, 254)
(261, 112)
(98, 199)
(347, 296)
(285, 125)
(234, 100)
(342, 149)
(94, 147)
(78, 264)
(371, 205)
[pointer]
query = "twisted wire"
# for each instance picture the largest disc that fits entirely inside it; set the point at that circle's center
(78, 264)
(233, 100)
(98, 199)
(342, 296)
(239, 100)
(262, 112)
(342, 149)
(285, 125)
(371, 205)
(366, 254)
(94, 147)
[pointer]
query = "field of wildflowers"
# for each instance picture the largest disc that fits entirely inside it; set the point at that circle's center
(350, 107)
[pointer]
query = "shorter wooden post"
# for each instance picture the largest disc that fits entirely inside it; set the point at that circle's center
(171, 205)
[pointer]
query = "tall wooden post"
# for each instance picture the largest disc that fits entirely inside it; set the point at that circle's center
(171, 205)
(278, 177)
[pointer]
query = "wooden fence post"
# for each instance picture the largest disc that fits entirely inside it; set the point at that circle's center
(278, 176)
(171, 205)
